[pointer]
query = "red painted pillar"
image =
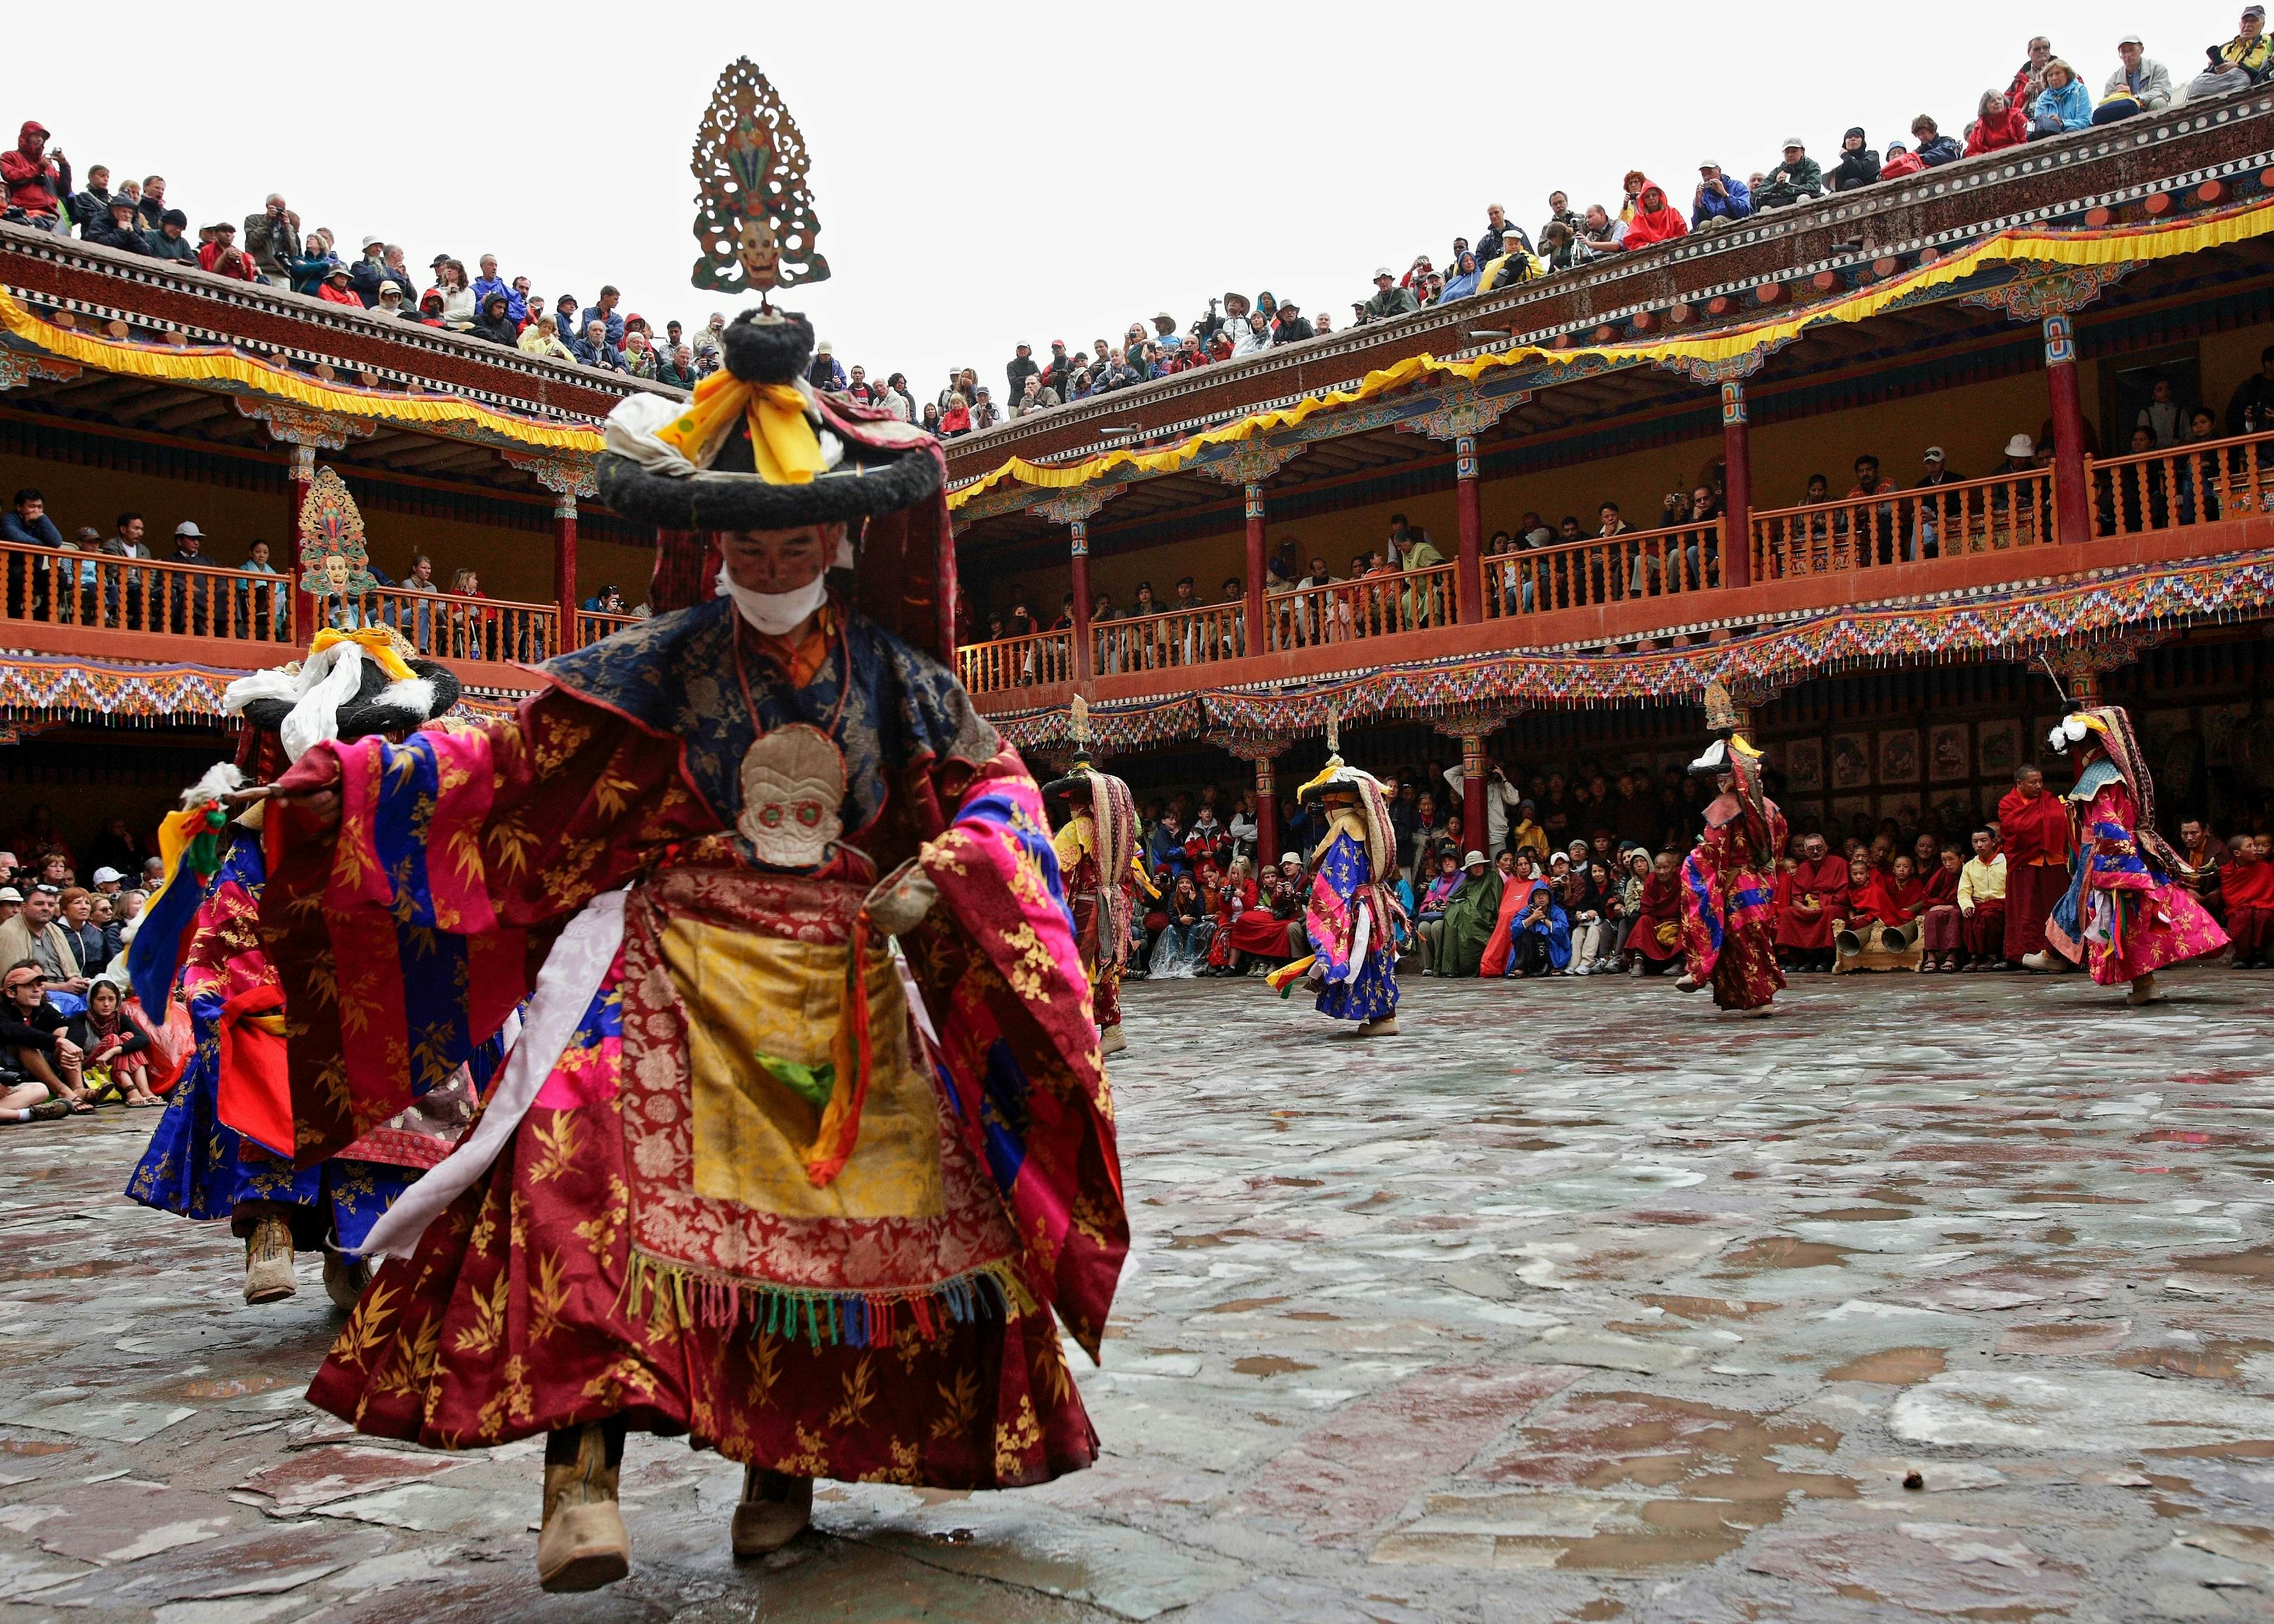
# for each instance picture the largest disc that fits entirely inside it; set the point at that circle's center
(301, 472)
(948, 602)
(2072, 490)
(1084, 655)
(564, 566)
(1736, 489)
(1267, 812)
(1259, 564)
(1476, 828)
(1469, 579)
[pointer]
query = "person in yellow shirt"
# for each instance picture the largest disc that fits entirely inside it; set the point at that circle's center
(1982, 905)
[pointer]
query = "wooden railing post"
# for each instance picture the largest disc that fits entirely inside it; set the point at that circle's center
(1736, 488)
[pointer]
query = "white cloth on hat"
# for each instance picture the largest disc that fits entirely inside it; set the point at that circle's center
(634, 427)
(323, 682)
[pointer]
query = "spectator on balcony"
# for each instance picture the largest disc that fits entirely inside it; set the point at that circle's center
(1654, 220)
(26, 524)
(2029, 77)
(2138, 85)
(263, 606)
(1876, 521)
(2245, 60)
(472, 628)
(1858, 165)
(272, 240)
(1940, 517)
(2163, 416)
(2250, 408)
(1997, 125)
(1900, 161)
(1798, 178)
(92, 202)
(1720, 198)
(2063, 105)
(188, 596)
(223, 257)
(36, 181)
(1935, 148)
(1389, 300)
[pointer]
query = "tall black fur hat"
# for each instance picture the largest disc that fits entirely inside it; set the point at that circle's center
(886, 465)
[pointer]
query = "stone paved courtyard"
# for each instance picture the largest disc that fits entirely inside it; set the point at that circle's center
(1929, 1299)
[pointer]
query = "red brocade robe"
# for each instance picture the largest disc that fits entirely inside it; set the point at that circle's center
(624, 1253)
(1729, 898)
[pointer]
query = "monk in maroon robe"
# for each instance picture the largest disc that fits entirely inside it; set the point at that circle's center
(1940, 921)
(1656, 937)
(2033, 828)
(1816, 895)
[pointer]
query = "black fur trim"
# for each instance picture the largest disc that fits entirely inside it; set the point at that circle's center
(367, 714)
(867, 484)
(767, 347)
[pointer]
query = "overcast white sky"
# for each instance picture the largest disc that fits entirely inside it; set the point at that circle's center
(988, 173)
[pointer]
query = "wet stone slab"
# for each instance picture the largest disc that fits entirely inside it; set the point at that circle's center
(1924, 1300)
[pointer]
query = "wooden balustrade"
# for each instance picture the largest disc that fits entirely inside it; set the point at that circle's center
(1373, 605)
(2178, 485)
(1175, 637)
(1853, 533)
(591, 625)
(1016, 662)
(1604, 570)
(50, 586)
(443, 625)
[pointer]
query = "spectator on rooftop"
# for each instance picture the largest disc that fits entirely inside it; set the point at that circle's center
(2245, 60)
(1293, 327)
(2029, 77)
(1559, 247)
(272, 240)
(36, 181)
(92, 202)
(1719, 197)
(1034, 397)
(397, 269)
(1020, 367)
(929, 422)
(494, 322)
(1934, 148)
(153, 206)
(1655, 219)
(489, 283)
(2138, 85)
(1497, 230)
(1797, 177)
(1463, 281)
(1389, 298)
(26, 522)
(1858, 165)
(1997, 125)
(223, 257)
(604, 312)
(639, 354)
(313, 267)
(2063, 105)
(370, 271)
(1599, 234)
(459, 309)
(677, 369)
(390, 301)
(116, 228)
(335, 288)
(956, 419)
(430, 308)
(1900, 161)
(594, 349)
(707, 341)
(1559, 213)
(1631, 187)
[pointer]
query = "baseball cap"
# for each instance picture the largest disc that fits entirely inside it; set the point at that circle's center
(189, 526)
(2132, 38)
(1381, 271)
(103, 876)
(1933, 454)
(1793, 141)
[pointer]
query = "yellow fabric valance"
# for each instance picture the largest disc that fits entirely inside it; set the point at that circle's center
(2037, 244)
(211, 365)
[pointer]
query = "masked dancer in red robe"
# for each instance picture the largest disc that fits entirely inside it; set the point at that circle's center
(1729, 882)
(747, 1176)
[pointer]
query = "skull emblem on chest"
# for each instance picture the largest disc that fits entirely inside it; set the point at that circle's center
(793, 784)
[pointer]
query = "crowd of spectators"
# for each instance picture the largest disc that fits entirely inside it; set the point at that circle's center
(71, 1037)
(464, 623)
(2046, 96)
(1575, 876)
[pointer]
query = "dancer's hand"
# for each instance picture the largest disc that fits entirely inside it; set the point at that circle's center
(897, 902)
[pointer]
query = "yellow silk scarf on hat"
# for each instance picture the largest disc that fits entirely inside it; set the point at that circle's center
(783, 444)
(383, 643)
